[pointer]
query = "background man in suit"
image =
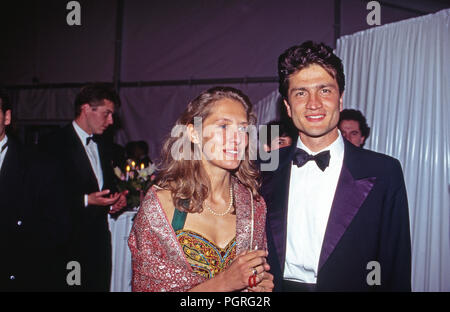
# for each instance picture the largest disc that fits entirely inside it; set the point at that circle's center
(86, 160)
(11, 236)
(34, 218)
(353, 126)
(338, 220)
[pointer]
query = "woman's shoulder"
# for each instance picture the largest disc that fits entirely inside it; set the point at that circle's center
(164, 198)
(246, 192)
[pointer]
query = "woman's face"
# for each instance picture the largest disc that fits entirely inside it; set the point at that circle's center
(224, 135)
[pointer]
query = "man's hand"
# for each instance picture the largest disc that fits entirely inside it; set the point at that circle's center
(101, 198)
(120, 203)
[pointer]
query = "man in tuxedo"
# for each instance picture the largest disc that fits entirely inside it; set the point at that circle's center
(34, 220)
(337, 215)
(86, 161)
(12, 175)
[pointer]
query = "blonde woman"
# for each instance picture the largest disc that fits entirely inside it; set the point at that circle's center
(201, 227)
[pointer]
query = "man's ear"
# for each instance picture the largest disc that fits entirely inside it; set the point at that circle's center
(8, 117)
(288, 108)
(193, 135)
(85, 107)
(341, 101)
(361, 141)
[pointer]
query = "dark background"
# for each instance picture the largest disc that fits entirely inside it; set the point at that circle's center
(161, 54)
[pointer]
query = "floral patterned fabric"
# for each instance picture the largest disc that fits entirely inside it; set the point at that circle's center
(206, 259)
(159, 262)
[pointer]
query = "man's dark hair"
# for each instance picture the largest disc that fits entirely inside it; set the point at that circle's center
(286, 128)
(4, 101)
(94, 94)
(144, 146)
(299, 57)
(132, 146)
(356, 115)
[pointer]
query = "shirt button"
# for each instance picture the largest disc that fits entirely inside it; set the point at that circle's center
(19, 223)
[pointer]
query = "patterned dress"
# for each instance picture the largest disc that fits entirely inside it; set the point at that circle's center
(167, 261)
(205, 258)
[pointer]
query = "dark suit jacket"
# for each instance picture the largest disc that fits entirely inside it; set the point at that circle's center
(34, 222)
(90, 239)
(368, 221)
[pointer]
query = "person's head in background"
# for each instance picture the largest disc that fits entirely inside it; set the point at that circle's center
(286, 135)
(94, 107)
(138, 151)
(5, 113)
(353, 126)
(142, 149)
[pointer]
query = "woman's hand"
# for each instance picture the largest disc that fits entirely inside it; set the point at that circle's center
(266, 284)
(236, 276)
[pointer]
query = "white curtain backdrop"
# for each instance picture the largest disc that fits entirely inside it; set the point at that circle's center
(398, 75)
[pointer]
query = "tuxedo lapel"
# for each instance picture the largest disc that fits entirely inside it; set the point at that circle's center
(101, 155)
(4, 169)
(105, 163)
(278, 188)
(350, 194)
(278, 213)
(12, 173)
(80, 160)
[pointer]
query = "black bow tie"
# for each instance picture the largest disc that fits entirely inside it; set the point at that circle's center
(301, 157)
(3, 147)
(92, 138)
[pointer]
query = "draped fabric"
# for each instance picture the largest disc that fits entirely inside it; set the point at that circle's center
(121, 256)
(159, 263)
(398, 76)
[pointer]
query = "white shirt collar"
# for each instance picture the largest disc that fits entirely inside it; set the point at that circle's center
(3, 142)
(83, 135)
(3, 153)
(336, 148)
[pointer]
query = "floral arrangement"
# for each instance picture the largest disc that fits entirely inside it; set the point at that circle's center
(136, 179)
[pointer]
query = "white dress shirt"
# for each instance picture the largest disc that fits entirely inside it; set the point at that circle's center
(3, 153)
(93, 155)
(311, 193)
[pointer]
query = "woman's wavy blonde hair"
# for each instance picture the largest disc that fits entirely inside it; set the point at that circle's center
(186, 178)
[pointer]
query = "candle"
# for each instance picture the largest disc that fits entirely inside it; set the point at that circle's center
(142, 166)
(133, 164)
(127, 169)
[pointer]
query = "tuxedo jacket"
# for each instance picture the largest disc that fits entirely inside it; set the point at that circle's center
(368, 221)
(34, 222)
(90, 238)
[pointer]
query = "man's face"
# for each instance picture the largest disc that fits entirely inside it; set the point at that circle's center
(99, 118)
(350, 130)
(5, 120)
(313, 102)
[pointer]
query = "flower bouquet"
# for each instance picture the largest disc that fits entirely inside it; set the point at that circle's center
(136, 179)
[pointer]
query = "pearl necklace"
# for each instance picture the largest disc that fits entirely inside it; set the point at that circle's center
(229, 206)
